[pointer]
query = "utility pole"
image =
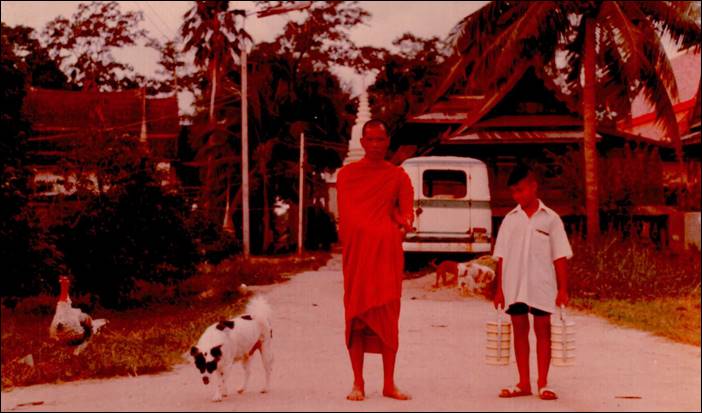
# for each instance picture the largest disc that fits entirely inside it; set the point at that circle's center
(245, 151)
(245, 121)
(301, 206)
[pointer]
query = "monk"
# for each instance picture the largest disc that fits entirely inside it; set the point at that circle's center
(375, 211)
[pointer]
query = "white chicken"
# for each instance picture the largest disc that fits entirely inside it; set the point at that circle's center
(71, 326)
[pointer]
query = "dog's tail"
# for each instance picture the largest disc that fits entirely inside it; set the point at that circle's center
(260, 310)
(433, 263)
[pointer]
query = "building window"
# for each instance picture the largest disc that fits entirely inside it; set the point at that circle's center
(441, 183)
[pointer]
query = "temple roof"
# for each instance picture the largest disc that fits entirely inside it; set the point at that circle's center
(531, 107)
(686, 68)
(67, 115)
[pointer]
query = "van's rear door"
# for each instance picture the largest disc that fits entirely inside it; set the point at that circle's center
(443, 203)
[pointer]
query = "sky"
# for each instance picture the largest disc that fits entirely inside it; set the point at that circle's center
(389, 20)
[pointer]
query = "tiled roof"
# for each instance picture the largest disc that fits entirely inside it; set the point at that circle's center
(59, 118)
(686, 68)
(65, 111)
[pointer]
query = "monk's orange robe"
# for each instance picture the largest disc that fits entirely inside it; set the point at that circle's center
(375, 198)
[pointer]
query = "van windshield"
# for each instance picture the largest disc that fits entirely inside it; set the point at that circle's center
(444, 184)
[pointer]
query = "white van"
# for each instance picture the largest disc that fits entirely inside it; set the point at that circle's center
(451, 205)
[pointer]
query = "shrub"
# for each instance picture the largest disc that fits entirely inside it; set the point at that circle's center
(628, 269)
(212, 242)
(320, 231)
(134, 232)
(29, 259)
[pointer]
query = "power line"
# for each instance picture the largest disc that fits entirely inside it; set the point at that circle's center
(222, 100)
(335, 146)
(151, 20)
(158, 16)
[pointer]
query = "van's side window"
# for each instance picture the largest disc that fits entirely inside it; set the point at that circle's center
(442, 183)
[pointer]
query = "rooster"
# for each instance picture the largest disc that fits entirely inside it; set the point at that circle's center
(71, 326)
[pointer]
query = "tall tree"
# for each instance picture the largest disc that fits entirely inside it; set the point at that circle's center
(29, 258)
(322, 37)
(33, 57)
(316, 104)
(613, 52)
(211, 30)
(83, 44)
(404, 76)
(171, 78)
(291, 89)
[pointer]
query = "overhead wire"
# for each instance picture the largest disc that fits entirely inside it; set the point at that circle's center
(158, 16)
(225, 99)
(337, 146)
(153, 23)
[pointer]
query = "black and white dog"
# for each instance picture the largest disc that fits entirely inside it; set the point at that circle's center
(235, 340)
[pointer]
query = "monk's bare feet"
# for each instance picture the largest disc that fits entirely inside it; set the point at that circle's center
(357, 394)
(395, 393)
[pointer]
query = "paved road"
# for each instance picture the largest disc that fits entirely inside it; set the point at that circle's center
(440, 363)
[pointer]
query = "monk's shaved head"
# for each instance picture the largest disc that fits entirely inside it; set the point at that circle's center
(374, 123)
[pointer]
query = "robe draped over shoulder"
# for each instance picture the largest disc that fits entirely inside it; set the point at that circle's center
(375, 199)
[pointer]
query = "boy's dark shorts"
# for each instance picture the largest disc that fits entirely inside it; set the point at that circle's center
(522, 309)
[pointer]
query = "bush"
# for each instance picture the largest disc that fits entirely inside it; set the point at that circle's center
(134, 232)
(212, 242)
(31, 263)
(29, 259)
(627, 269)
(320, 231)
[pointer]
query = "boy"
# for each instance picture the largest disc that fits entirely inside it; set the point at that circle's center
(532, 277)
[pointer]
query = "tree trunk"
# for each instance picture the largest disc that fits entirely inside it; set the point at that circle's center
(589, 133)
(209, 186)
(214, 90)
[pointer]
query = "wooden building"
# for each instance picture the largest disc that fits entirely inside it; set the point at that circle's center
(531, 119)
(63, 121)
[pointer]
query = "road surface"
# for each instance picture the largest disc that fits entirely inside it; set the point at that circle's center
(440, 364)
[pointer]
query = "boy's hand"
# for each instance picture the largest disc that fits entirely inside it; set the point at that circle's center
(562, 298)
(499, 299)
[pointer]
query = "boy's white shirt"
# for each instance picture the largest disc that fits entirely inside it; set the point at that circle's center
(528, 247)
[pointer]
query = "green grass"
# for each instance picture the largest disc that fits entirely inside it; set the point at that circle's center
(634, 284)
(135, 342)
(675, 318)
(139, 341)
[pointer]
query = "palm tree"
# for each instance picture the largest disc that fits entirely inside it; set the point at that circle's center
(614, 48)
(210, 29)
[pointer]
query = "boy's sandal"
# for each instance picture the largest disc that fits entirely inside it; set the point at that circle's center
(513, 391)
(547, 394)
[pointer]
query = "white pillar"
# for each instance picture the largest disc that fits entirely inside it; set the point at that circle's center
(245, 153)
(355, 152)
(363, 115)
